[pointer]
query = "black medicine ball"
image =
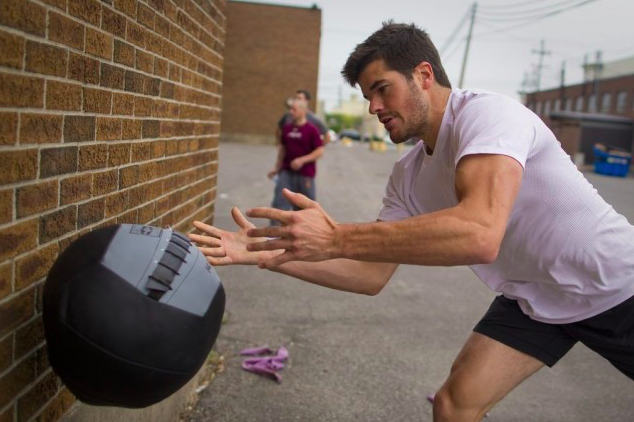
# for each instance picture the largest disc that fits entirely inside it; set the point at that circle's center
(130, 314)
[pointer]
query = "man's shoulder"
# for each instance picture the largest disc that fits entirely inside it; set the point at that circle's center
(316, 121)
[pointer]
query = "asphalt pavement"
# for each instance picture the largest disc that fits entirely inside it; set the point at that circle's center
(359, 358)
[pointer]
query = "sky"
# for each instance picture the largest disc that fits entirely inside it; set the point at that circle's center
(502, 49)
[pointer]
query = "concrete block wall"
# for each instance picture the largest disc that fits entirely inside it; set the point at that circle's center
(109, 113)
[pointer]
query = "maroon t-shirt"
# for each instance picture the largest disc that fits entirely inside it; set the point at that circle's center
(299, 141)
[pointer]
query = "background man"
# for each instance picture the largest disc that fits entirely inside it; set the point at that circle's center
(304, 95)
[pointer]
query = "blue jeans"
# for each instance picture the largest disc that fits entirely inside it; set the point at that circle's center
(294, 182)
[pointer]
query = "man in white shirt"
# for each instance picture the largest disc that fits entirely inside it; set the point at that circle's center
(487, 186)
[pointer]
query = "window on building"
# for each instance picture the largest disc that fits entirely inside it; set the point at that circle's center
(538, 108)
(621, 102)
(592, 104)
(579, 105)
(557, 105)
(606, 102)
(568, 106)
(546, 108)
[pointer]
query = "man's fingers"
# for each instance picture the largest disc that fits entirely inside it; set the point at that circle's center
(270, 213)
(219, 261)
(204, 240)
(206, 228)
(214, 252)
(302, 201)
(269, 245)
(239, 219)
(277, 231)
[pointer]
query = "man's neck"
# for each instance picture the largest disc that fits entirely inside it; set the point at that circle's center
(300, 121)
(439, 100)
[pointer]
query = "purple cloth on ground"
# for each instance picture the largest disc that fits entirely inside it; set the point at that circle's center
(264, 365)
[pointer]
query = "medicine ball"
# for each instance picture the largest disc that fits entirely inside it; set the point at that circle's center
(130, 314)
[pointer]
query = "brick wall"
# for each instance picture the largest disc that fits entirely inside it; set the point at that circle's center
(271, 51)
(109, 113)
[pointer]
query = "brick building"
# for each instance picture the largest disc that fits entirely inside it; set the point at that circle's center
(601, 109)
(109, 113)
(271, 51)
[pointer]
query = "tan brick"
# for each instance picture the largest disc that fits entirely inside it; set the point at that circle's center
(128, 176)
(6, 205)
(75, 188)
(143, 106)
(8, 128)
(141, 151)
(99, 44)
(131, 129)
(117, 203)
(24, 373)
(122, 104)
(40, 128)
(105, 182)
(145, 16)
(97, 101)
(23, 15)
(16, 239)
(144, 61)
(35, 398)
(58, 223)
(63, 96)
(34, 266)
(65, 30)
(32, 199)
(18, 166)
(60, 4)
(162, 26)
(118, 154)
(12, 47)
(134, 81)
(46, 59)
(83, 69)
(154, 43)
(55, 161)
(88, 10)
(152, 86)
(150, 129)
(57, 407)
(126, 6)
(108, 129)
(124, 53)
(79, 128)
(174, 72)
(160, 67)
(135, 34)
(90, 212)
(5, 289)
(113, 22)
(29, 337)
(6, 350)
(112, 76)
(93, 157)
(21, 91)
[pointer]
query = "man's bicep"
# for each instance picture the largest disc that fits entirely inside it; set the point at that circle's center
(487, 185)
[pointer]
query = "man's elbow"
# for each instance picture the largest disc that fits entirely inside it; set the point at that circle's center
(487, 248)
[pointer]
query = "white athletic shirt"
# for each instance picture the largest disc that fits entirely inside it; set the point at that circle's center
(566, 255)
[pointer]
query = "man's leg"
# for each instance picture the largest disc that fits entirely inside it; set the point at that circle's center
(284, 180)
(483, 373)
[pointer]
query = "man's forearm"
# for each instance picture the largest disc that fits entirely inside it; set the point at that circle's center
(341, 274)
(444, 238)
(313, 156)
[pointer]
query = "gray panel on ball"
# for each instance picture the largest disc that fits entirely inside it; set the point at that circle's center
(137, 243)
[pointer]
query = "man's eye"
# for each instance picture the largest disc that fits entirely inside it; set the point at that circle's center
(382, 89)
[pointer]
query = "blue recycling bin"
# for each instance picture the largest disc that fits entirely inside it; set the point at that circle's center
(611, 164)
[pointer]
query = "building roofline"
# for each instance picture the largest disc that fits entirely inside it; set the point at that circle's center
(315, 6)
(590, 117)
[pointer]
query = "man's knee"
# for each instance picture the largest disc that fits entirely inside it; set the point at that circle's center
(450, 404)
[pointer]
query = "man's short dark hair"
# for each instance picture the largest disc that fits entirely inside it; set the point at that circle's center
(306, 94)
(402, 47)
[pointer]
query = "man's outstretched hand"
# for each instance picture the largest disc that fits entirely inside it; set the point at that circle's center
(305, 235)
(222, 247)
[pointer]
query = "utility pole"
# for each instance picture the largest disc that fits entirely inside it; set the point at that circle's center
(466, 50)
(562, 86)
(540, 62)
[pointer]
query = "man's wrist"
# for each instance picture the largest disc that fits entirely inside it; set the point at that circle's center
(339, 243)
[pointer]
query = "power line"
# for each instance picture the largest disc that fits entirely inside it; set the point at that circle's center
(506, 6)
(455, 32)
(526, 13)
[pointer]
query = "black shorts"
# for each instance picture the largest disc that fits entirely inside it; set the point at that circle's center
(610, 334)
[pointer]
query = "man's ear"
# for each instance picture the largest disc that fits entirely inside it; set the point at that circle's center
(425, 74)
